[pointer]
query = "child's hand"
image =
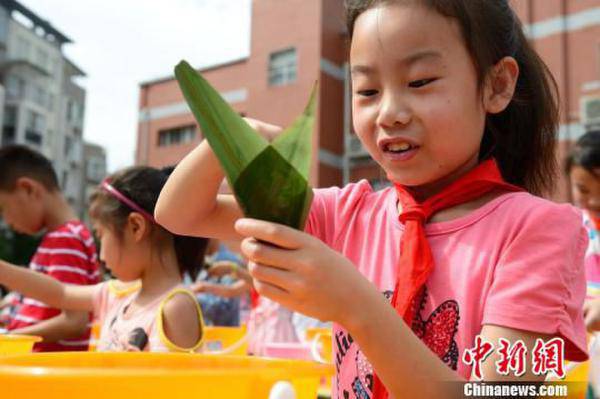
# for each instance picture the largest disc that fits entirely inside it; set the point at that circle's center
(221, 268)
(198, 287)
(591, 312)
(301, 272)
(267, 130)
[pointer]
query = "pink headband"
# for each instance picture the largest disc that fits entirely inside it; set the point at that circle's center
(115, 193)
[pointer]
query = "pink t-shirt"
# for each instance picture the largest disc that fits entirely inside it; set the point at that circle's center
(515, 262)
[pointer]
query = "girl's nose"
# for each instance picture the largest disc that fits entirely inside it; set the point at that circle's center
(393, 112)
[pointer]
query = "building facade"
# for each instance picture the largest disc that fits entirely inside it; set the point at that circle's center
(296, 42)
(43, 106)
(95, 170)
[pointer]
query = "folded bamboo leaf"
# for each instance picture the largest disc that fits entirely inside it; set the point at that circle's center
(269, 181)
(231, 138)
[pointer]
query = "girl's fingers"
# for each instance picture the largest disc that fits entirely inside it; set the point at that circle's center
(260, 252)
(273, 233)
(272, 275)
(267, 130)
(270, 291)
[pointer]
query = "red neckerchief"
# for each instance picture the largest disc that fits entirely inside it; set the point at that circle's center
(416, 261)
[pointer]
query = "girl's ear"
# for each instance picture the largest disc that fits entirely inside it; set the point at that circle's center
(138, 226)
(500, 85)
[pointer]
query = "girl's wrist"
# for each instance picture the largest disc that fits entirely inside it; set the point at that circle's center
(365, 301)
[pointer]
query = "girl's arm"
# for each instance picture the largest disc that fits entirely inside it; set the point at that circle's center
(68, 324)
(236, 289)
(47, 289)
(189, 203)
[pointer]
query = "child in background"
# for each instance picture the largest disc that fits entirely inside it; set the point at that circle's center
(268, 322)
(583, 168)
(453, 103)
(160, 316)
(218, 288)
(31, 201)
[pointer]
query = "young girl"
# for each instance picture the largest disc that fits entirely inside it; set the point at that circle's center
(583, 168)
(159, 315)
(453, 103)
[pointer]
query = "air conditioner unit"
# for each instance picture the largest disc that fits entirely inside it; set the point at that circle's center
(590, 111)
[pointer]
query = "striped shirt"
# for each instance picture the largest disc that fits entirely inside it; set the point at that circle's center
(67, 254)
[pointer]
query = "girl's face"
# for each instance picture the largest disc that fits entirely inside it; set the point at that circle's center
(415, 99)
(585, 187)
(117, 254)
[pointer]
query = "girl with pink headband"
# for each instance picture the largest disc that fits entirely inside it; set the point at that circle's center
(156, 313)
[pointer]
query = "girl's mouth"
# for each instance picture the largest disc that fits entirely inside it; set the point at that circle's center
(400, 151)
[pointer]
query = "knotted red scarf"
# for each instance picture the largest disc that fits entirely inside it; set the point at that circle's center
(416, 261)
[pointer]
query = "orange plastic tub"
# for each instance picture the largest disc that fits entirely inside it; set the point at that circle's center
(17, 344)
(225, 340)
(94, 375)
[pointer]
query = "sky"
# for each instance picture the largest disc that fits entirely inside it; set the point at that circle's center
(121, 43)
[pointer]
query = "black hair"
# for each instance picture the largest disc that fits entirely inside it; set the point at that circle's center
(522, 138)
(585, 153)
(18, 161)
(142, 185)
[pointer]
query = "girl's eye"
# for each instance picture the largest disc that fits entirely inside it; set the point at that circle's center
(366, 93)
(420, 83)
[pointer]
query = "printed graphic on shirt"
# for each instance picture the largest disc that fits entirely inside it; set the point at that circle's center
(438, 331)
(136, 339)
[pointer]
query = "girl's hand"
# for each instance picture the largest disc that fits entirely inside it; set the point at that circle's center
(591, 313)
(302, 273)
(267, 130)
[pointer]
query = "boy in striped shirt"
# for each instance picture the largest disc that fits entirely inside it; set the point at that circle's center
(30, 202)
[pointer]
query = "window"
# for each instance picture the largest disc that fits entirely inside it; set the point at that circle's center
(10, 116)
(34, 127)
(95, 169)
(180, 135)
(15, 86)
(34, 121)
(68, 146)
(74, 112)
(10, 121)
(40, 96)
(282, 67)
(70, 113)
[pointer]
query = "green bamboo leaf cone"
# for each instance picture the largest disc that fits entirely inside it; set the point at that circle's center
(269, 181)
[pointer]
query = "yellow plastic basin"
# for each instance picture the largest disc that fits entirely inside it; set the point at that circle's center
(225, 340)
(12, 344)
(323, 338)
(577, 375)
(95, 375)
